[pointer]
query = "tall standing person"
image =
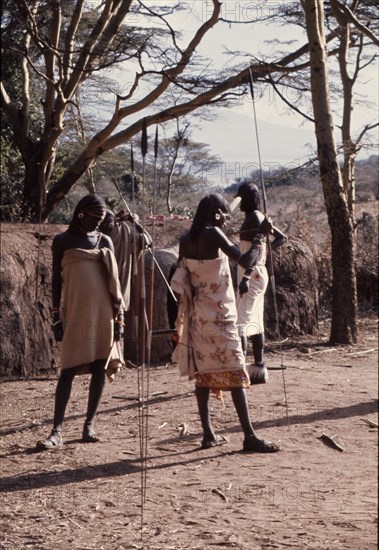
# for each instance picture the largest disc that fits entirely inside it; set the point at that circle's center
(124, 229)
(209, 348)
(253, 281)
(87, 312)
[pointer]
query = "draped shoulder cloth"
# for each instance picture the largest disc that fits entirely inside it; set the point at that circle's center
(91, 297)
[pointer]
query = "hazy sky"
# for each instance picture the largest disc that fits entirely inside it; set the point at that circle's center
(284, 138)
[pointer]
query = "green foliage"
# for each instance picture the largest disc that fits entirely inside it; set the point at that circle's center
(127, 182)
(280, 176)
(11, 180)
(63, 214)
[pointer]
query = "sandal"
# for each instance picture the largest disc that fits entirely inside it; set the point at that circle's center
(209, 443)
(89, 434)
(253, 444)
(54, 440)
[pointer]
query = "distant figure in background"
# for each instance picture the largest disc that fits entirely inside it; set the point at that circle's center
(90, 323)
(253, 281)
(121, 236)
(129, 238)
(209, 348)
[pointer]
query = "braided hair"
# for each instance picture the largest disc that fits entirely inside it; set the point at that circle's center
(89, 204)
(108, 222)
(250, 198)
(205, 213)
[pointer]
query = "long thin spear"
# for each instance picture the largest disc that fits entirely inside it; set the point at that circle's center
(271, 263)
(150, 320)
(151, 297)
(142, 337)
(134, 253)
(147, 236)
(143, 152)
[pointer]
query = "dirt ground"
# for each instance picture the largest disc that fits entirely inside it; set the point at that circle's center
(98, 496)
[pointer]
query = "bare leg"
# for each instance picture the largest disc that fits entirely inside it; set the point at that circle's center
(251, 443)
(95, 392)
(258, 341)
(244, 345)
(202, 396)
(95, 389)
(257, 371)
(62, 396)
(242, 407)
(209, 437)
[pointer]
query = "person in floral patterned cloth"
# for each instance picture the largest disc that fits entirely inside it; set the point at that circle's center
(209, 347)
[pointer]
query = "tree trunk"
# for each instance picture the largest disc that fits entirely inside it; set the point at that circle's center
(66, 183)
(344, 298)
(34, 194)
(350, 149)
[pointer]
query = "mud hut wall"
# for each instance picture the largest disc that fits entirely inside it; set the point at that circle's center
(296, 285)
(161, 346)
(27, 345)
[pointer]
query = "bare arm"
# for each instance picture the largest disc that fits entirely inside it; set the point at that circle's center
(210, 242)
(279, 238)
(57, 249)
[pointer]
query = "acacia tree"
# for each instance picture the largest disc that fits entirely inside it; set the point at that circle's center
(344, 303)
(348, 42)
(59, 45)
(175, 177)
(351, 37)
(183, 167)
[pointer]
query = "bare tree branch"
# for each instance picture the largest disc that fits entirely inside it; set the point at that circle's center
(337, 5)
(285, 100)
(69, 39)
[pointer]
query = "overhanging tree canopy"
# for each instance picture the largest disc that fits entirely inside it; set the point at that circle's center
(60, 45)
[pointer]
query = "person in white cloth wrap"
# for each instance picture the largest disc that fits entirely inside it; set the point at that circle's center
(209, 348)
(90, 322)
(253, 281)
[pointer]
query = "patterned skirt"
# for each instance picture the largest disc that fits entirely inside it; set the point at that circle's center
(225, 380)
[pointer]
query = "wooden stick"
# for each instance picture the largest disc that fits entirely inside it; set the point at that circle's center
(370, 423)
(363, 352)
(219, 493)
(329, 440)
